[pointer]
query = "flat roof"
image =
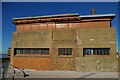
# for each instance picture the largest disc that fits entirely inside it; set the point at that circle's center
(48, 16)
(97, 15)
(67, 15)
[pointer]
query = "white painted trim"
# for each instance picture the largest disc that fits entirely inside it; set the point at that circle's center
(100, 15)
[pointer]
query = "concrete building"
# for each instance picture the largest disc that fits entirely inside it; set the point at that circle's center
(65, 42)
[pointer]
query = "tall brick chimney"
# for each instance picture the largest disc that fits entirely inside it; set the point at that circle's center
(93, 11)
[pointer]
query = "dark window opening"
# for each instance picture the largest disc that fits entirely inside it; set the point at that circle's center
(31, 51)
(96, 51)
(65, 51)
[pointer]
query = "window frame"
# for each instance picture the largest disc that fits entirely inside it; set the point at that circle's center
(97, 51)
(71, 54)
(31, 50)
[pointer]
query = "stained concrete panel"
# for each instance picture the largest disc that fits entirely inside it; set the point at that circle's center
(40, 39)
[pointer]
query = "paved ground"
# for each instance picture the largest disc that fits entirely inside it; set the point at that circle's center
(61, 74)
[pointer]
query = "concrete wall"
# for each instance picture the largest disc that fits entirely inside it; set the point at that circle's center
(62, 38)
(96, 64)
(97, 38)
(40, 39)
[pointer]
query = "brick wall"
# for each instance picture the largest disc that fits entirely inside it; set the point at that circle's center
(38, 63)
(53, 25)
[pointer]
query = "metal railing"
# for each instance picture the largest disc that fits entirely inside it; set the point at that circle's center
(4, 70)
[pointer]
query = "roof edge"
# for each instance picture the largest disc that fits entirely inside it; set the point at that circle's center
(98, 15)
(57, 15)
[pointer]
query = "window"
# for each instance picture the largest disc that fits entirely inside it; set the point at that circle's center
(65, 51)
(96, 51)
(88, 51)
(31, 51)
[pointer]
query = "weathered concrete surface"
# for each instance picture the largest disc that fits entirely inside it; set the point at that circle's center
(62, 38)
(96, 38)
(96, 64)
(40, 39)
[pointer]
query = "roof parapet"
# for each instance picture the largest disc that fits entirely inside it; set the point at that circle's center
(61, 18)
(52, 18)
(49, 16)
(98, 15)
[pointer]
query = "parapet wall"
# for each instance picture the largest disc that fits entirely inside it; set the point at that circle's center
(60, 25)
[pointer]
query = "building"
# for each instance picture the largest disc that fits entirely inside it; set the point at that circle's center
(64, 42)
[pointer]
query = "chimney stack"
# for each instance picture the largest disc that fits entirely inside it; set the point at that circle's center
(93, 11)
